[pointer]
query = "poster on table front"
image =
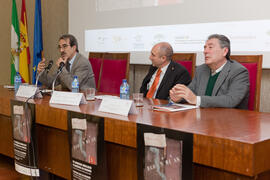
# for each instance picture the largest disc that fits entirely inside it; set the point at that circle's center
(87, 146)
(25, 151)
(164, 153)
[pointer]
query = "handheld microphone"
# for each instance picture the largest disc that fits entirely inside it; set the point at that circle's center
(61, 65)
(49, 66)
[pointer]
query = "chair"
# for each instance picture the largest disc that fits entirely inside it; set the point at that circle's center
(254, 65)
(114, 68)
(95, 59)
(188, 60)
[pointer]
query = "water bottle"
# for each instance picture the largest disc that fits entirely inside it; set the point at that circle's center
(124, 90)
(17, 82)
(75, 84)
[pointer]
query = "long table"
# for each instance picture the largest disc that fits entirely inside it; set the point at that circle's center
(227, 143)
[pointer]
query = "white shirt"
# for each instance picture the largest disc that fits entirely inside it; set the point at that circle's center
(212, 74)
(163, 71)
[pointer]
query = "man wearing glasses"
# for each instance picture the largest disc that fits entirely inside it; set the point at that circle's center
(74, 65)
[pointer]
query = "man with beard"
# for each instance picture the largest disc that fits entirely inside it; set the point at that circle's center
(74, 65)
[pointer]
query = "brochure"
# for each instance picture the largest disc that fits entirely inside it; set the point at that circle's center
(172, 107)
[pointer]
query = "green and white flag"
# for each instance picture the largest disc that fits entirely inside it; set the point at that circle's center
(15, 42)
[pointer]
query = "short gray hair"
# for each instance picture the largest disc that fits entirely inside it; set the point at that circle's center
(223, 42)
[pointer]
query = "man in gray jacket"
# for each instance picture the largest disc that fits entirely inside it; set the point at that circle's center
(74, 65)
(220, 82)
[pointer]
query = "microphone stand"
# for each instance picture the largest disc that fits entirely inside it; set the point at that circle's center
(39, 76)
(58, 72)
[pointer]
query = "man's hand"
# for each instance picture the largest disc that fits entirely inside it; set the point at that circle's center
(61, 60)
(41, 65)
(180, 91)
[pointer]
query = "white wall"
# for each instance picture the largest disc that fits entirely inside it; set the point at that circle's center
(84, 16)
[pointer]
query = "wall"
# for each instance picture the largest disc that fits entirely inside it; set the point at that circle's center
(84, 15)
(54, 22)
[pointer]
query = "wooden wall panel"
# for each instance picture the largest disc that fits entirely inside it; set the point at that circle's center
(223, 154)
(6, 137)
(52, 117)
(5, 106)
(261, 163)
(120, 132)
(53, 151)
(121, 162)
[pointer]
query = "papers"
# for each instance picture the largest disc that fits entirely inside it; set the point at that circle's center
(172, 107)
(117, 106)
(68, 98)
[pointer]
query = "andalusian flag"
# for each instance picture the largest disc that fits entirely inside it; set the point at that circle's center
(15, 42)
(25, 53)
(38, 42)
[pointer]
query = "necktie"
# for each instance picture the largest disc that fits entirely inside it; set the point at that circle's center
(153, 88)
(68, 66)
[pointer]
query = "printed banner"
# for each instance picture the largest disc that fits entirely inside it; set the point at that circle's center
(172, 160)
(25, 153)
(87, 146)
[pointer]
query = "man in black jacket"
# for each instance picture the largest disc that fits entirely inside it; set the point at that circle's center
(163, 73)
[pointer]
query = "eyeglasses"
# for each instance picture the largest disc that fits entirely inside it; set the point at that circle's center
(64, 46)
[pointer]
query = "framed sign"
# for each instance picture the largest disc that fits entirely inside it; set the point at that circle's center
(87, 146)
(25, 151)
(164, 153)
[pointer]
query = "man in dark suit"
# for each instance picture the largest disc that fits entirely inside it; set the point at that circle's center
(75, 65)
(220, 82)
(163, 73)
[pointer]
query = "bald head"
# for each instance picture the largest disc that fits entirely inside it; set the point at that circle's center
(165, 49)
(161, 54)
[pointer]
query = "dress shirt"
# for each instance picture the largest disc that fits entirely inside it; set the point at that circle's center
(212, 74)
(163, 71)
(71, 61)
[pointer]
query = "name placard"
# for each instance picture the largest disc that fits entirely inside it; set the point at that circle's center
(117, 106)
(68, 98)
(28, 91)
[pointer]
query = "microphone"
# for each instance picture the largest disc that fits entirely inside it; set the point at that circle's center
(61, 65)
(49, 66)
(46, 69)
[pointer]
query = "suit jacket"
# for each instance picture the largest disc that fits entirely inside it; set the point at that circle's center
(230, 90)
(81, 67)
(175, 74)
